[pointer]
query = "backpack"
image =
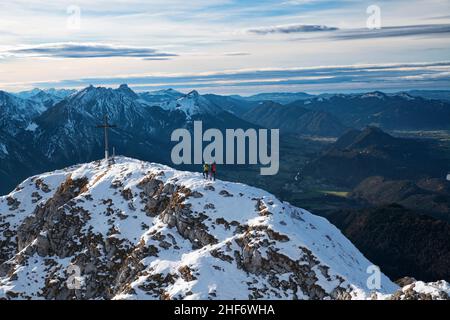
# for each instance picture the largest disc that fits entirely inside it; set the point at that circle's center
(205, 167)
(213, 167)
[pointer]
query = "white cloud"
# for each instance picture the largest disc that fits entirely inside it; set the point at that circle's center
(291, 28)
(85, 50)
(319, 78)
(208, 35)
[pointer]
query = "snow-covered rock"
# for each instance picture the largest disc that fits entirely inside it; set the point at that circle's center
(139, 230)
(31, 127)
(375, 95)
(17, 113)
(191, 104)
(419, 290)
(3, 150)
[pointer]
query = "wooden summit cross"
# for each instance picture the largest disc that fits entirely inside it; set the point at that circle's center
(106, 126)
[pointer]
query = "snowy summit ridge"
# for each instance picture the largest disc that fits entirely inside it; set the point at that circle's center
(140, 230)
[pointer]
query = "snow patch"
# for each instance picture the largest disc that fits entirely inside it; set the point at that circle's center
(3, 149)
(32, 127)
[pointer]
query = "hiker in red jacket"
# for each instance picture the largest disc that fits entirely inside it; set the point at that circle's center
(213, 171)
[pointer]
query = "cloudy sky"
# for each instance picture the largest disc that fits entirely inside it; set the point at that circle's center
(226, 46)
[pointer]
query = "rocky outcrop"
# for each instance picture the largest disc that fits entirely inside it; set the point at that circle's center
(419, 290)
(49, 225)
(134, 230)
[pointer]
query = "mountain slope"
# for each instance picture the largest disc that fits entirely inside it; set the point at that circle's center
(401, 241)
(145, 231)
(17, 162)
(16, 113)
(371, 152)
(428, 196)
(294, 119)
(192, 104)
(231, 104)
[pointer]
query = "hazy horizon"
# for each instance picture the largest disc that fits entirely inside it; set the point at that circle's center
(389, 91)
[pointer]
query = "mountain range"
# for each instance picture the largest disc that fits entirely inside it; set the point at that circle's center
(66, 132)
(46, 129)
(48, 97)
(390, 112)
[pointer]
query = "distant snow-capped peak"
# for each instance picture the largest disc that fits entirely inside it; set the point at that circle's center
(375, 94)
(16, 113)
(160, 96)
(125, 89)
(36, 93)
(102, 95)
(169, 91)
(405, 95)
(191, 104)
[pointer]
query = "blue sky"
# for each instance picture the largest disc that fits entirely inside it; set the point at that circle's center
(225, 46)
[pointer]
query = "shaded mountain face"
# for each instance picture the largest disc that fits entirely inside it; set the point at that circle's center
(146, 231)
(16, 113)
(294, 119)
(67, 132)
(391, 112)
(430, 196)
(371, 152)
(17, 156)
(402, 242)
(17, 162)
(234, 105)
(46, 99)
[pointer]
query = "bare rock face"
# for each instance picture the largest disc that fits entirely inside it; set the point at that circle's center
(135, 230)
(59, 227)
(302, 277)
